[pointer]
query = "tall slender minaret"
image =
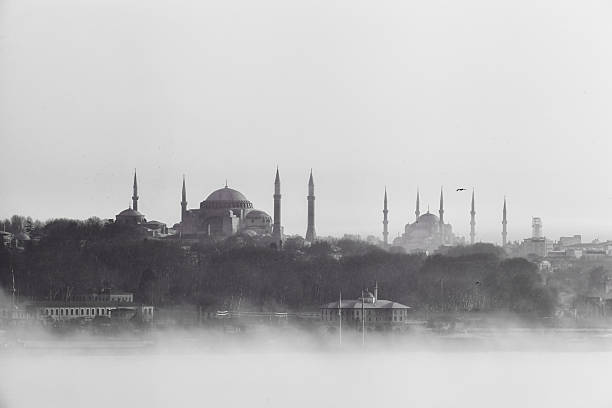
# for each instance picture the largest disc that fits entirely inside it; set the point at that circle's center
(417, 212)
(441, 212)
(473, 221)
(310, 232)
(277, 233)
(504, 223)
(135, 195)
(183, 201)
(385, 220)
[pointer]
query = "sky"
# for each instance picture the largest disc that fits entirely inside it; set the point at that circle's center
(511, 98)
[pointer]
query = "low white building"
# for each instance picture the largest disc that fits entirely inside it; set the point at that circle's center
(367, 310)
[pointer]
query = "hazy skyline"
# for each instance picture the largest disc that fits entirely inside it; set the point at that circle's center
(512, 99)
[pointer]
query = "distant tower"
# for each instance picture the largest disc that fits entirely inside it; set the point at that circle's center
(417, 212)
(310, 232)
(135, 195)
(183, 201)
(504, 223)
(441, 212)
(536, 227)
(473, 221)
(277, 233)
(385, 220)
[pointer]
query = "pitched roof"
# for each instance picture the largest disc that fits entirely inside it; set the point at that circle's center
(356, 304)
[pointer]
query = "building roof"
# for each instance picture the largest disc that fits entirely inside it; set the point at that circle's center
(356, 304)
(155, 222)
(90, 304)
(226, 198)
(130, 213)
(257, 213)
(428, 218)
(226, 194)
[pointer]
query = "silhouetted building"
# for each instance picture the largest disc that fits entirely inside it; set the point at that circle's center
(111, 304)
(227, 212)
(428, 232)
(565, 242)
(538, 244)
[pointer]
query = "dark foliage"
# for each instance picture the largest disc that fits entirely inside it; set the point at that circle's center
(82, 256)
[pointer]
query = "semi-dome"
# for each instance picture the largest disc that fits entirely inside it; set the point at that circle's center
(257, 214)
(226, 198)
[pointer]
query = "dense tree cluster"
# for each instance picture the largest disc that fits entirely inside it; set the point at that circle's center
(82, 256)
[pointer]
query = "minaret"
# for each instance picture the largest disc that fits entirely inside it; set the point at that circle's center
(441, 212)
(504, 223)
(385, 220)
(310, 232)
(183, 201)
(277, 233)
(135, 195)
(473, 221)
(417, 212)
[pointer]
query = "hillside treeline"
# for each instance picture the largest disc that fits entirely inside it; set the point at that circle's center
(83, 256)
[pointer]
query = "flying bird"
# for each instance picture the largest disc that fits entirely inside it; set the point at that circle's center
(461, 189)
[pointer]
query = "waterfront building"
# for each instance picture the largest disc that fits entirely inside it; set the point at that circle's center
(110, 304)
(366, 310)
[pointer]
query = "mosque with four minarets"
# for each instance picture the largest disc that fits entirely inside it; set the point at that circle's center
(428, 232)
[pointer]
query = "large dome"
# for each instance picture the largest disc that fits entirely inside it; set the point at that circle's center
(226, 194)
(130, 213)
(428, 218)
(226, 198)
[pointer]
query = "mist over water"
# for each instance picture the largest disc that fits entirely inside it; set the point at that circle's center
(285, 379)
(293, 368)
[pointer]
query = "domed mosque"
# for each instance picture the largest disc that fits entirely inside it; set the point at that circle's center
(428, 233)
(226, 212)
(223, 213)
(132, 216)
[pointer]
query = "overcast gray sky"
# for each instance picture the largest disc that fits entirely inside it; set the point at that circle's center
(510, 97)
